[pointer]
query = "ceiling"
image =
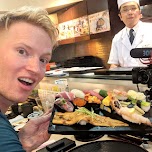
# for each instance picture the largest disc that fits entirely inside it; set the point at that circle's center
(50, 5)
(57, 8)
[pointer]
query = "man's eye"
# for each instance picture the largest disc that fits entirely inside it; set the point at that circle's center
(133, 9)
(124, 10)
(22, 51)
(45, 61)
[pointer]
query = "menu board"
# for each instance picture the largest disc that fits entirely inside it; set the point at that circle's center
(81, 26)
(99, 22)
(74, 28)
(85, 25)
(66, 30)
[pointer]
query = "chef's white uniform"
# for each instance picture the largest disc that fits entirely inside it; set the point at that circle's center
(121, 47)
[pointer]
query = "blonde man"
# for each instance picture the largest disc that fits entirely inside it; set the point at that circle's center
(27, 38)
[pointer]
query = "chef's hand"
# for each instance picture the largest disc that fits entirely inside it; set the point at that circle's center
(35, 132)
(114, 66)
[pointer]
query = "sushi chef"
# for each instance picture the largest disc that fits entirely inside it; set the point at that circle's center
(135, 34)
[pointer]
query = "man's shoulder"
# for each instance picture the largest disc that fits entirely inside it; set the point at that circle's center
(3, 118)
(119, 34)
(8, 137)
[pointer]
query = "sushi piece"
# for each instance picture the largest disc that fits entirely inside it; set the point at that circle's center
(93, 93)
(92, 99)
(145, 106)
(136, 95)
(106, 101)
(66, 95)
(78, 93)
(96, 90)
(64, 104)
(120, 95)
(79, 102)
(103, 93)
(106, 108)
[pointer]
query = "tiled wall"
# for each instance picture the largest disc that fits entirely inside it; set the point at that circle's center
(95, 47)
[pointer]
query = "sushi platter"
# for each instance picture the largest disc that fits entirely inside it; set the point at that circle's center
(119, 110)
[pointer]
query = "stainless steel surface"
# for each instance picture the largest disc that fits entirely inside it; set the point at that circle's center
(94, 83)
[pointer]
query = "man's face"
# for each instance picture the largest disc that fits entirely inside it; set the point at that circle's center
(24, 51)
(130, 14)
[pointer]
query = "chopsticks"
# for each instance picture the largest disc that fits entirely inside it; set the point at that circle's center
(138, 140)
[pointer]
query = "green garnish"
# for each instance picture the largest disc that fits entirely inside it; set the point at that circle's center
(86, 111)
(145, 103)
(133, 101)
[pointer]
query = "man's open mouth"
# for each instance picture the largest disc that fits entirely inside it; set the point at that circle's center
(26, 81)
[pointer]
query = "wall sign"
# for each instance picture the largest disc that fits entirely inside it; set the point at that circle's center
(92, 24)
(74, 28)
(99, 22)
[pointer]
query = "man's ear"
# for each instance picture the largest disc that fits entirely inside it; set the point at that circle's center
(141, 14)
(120, 16)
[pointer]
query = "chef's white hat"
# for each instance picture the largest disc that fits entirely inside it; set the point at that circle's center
(120, 2)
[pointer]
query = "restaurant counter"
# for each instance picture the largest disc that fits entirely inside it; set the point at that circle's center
(78, 143)
(56, 137)
(92, 81)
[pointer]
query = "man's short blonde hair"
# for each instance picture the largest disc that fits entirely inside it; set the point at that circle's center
(33, 15)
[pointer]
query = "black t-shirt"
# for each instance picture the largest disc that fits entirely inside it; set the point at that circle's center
(9, 141)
